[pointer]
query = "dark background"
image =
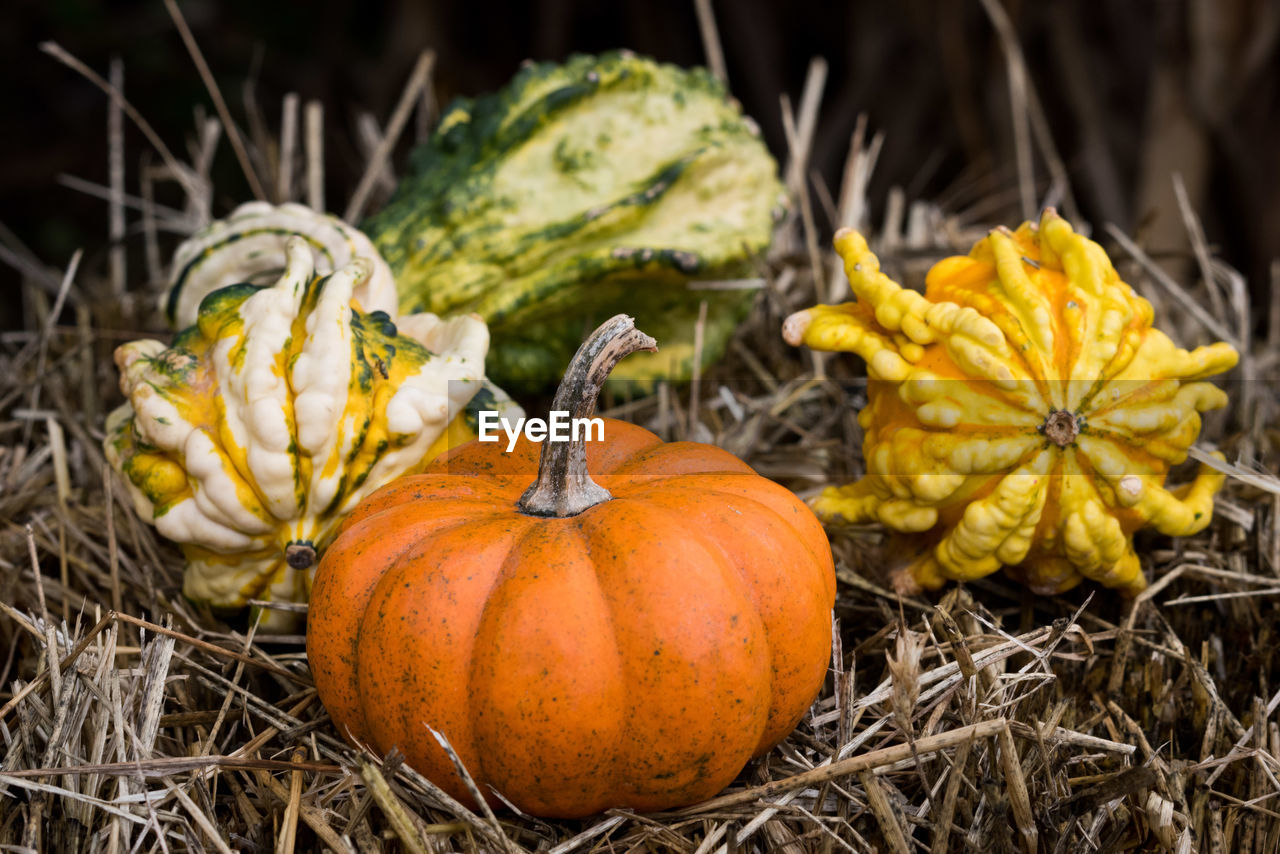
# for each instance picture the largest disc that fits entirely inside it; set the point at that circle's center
(1130, 90)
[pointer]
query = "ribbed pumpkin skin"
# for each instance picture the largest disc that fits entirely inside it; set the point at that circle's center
(635, 655)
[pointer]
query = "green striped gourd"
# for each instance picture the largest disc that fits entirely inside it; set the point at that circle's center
(607, 184)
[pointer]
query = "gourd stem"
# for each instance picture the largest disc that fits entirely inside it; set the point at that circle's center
(564, 488)
(300, 555)
(1061, 427)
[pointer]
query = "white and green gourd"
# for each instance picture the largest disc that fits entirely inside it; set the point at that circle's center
(250, 437)
(249, 246)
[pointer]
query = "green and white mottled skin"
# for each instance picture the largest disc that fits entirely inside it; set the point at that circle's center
(249, 246)
(607, 184)
(249, 438)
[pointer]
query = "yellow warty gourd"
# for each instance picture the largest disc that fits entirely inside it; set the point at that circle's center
(250, 438)
(1022, 413)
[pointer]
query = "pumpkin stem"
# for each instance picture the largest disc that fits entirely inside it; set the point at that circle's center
(564, 488)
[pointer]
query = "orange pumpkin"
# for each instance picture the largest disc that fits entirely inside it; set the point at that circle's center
(628, 641)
